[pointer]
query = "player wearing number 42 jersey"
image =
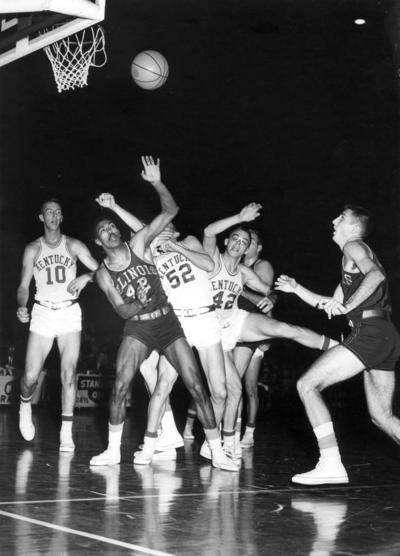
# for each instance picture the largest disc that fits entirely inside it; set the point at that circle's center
(51, 261)
(237, 325)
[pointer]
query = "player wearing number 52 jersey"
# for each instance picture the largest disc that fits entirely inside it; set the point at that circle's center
(51, 261)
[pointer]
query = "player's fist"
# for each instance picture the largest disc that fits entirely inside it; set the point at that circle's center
(23, 314)
(106, 200)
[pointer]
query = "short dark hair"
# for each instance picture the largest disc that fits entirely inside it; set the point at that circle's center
(50, 200)
(97, 222)
(363, 216)
(257, 234)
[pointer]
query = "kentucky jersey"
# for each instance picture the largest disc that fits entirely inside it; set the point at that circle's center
(53, 270)
(225, 289)
(185, 284)
(379, 299)
(138, 274)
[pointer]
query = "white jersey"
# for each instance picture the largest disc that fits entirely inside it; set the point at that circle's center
(53, 270)
(185, 284)
(225, 289)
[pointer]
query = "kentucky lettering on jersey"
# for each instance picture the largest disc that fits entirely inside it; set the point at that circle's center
(185, 284)
(53, 269)
(226, 288)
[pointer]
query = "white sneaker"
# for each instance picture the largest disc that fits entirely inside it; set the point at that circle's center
(222, 461)
(168, 441)
(205, 450)
(26, 427)
(164, 455)
(230, 451)
(247, 441)
(66, 444)
(188, 434)
(326, 471)
(108, 457)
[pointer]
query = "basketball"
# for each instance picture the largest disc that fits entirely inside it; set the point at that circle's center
(149, 69)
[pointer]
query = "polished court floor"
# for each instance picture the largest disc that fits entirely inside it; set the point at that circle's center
(55, 504)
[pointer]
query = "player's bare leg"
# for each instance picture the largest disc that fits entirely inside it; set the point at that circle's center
(69, 347)
(130, 356)
(258, 327)
(248, 366)
(334, 366)
(234, 387)
(37, 350)
(379, 389)
(181, 357)
(167, 376)
(168, 434)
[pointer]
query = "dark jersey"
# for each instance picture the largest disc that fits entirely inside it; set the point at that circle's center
(246, 304)
(139, 274)
(379, 299)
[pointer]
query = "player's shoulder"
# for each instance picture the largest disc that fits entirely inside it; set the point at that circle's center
(33, 247)
(191, 242)
(357, 247)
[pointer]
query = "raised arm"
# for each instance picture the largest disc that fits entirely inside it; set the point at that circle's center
(193, 250)
(28, 261)
(107, 200)
(247, 214)
(123, 309)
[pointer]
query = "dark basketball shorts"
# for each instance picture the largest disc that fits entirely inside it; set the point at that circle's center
(376, 342)
(157, 333)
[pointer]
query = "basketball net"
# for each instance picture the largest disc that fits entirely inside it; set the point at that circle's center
(72, 57)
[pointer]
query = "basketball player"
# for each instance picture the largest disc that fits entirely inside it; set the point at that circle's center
(372, 347)
(248, 357)
(227, 281)
(183, 268)
(51, 260)
(131, 283)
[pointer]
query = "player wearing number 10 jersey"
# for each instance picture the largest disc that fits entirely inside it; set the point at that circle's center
(51, 261)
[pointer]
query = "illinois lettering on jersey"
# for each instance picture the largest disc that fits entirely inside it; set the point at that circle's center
(54, 268)
(225, 289)
(185, 284)
(138, 274)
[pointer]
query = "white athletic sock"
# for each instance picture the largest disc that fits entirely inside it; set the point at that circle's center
(114, 436)
(168, 422)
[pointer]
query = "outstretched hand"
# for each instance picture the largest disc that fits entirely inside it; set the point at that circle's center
(106, 200)
(151, 170)
(285, 284)
(250, 212)
(332, 307)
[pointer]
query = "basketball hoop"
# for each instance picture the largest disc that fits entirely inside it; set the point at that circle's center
(72, 57)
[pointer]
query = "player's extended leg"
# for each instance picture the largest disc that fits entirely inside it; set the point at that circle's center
(258, 327)
(334, 366)
(182, 358)
(167, 376)
(69, 347)
(189, 423)
(131, 354)
(37, 350)
(379, 390)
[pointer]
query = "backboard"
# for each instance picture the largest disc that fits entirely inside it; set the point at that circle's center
(30, 25)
